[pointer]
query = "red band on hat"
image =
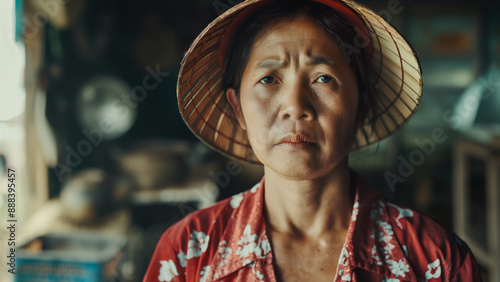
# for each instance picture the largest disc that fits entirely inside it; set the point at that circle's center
(342, 9)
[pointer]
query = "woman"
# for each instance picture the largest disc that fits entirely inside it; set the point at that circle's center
(296, 86)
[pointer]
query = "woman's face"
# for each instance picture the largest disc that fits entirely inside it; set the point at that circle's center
(299, 99)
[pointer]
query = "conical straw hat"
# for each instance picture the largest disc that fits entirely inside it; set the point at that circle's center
(394, 72)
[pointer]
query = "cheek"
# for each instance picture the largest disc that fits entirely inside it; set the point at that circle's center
(259, 120)
(340, 118)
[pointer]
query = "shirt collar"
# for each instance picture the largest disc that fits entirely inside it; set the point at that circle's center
(370, 243)
(244, 240)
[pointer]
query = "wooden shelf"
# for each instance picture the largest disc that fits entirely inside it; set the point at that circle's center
(489, 153)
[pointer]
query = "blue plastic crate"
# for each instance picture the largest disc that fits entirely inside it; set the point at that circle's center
(69, 258)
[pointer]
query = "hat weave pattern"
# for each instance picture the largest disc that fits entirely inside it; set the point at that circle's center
(394, 72)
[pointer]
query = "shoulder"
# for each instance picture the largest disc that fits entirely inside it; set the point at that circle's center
(220, 212)
(202, 227)
(432, 250)
(211, 220)
(207, 220)
(186, 248)
(416, 228)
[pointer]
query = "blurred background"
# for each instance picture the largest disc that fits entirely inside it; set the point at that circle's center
(102, 162)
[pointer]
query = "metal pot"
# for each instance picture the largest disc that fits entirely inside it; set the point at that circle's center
(154, 164)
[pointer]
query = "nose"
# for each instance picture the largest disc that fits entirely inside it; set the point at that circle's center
(297, 103)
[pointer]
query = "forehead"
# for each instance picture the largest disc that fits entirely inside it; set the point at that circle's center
(299, 36)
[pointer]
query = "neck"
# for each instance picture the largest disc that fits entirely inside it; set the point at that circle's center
(308, 208)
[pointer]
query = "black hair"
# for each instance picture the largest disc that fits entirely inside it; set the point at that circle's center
(324, 17)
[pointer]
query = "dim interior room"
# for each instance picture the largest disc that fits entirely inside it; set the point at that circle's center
(102, 162)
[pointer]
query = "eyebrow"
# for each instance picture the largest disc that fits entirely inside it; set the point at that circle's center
(270, 63)
(321, 60)
(274, 63)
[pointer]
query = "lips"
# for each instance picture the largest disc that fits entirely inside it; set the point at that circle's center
(297, 141)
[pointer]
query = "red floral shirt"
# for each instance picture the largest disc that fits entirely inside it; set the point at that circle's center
(385, 242)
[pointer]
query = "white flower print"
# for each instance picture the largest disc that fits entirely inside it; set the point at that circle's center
(388, 250)
(344, 255)
(346, 277)
(390, 280)
(257, 273)
(355, 211)
(383, 233)
(399, 268)
(376, 212)
(375, 256)
(197, 244)
(182, 258)
(386, 227)
(168, 271)
(204, 273)
(236, 200)
(263, 248)
(247, 243)
(247, 262)
(434, 270)
(344, 271)
(225, 253)
(402, 213)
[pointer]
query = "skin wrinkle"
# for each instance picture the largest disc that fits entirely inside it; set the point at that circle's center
(307, 199)
(337, 29)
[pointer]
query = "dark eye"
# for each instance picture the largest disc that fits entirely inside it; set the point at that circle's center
(325, 79)
(268, 80)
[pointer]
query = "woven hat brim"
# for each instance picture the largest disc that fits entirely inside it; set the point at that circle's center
(394, 72)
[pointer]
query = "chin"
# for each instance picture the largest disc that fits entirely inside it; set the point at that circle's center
(295, 168)
(293, 172)
(307, 169)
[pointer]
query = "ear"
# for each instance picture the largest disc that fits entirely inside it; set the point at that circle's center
(234, 101)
